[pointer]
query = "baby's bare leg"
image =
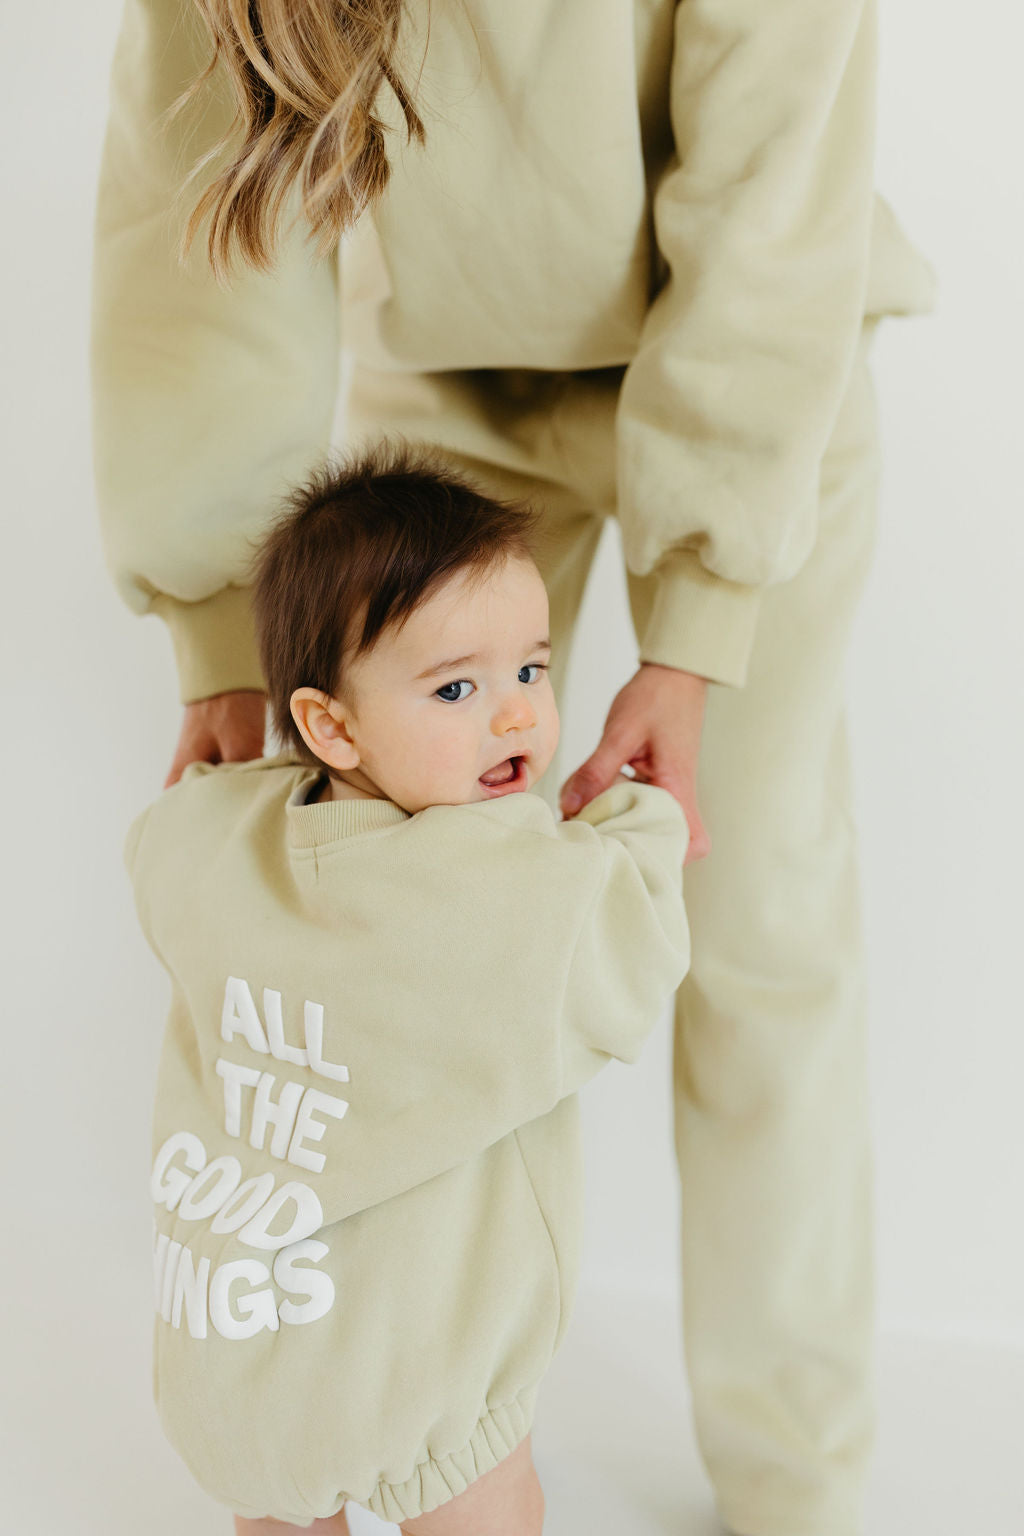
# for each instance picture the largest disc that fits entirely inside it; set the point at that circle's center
(506, 1501)
(337, 1525)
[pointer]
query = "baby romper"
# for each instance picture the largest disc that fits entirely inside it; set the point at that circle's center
(367, 1171)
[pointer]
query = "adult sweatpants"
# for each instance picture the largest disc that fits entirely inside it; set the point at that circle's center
(771, 1108)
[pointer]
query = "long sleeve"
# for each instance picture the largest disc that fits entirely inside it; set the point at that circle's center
(763, 221)
(471, 966)
(633, 948)
(206, 403)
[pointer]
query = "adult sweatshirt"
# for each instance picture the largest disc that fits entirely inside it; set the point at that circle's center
(685, 189)
(367, 1158)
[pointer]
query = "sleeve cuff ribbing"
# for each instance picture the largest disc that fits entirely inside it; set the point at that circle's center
(214, 643)
(700, 622)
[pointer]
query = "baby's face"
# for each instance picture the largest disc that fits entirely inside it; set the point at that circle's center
(429, 726)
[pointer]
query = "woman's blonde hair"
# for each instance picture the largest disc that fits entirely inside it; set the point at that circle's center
(304, 75)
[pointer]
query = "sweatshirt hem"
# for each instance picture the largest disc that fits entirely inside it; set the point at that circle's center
(440, 1478)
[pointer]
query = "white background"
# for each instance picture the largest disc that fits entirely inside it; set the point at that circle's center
(936, 696)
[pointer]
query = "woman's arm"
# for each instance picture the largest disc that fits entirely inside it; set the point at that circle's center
(763, 221)
(207, 402)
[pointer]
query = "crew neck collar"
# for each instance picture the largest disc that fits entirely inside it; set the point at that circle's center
(328, 821)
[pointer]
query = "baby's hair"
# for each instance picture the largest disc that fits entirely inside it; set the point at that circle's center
(359, 545)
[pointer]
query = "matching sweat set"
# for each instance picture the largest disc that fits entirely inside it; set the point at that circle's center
(633, 272)
(367, 1171)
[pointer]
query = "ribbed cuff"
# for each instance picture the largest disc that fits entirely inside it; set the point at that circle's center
(214, 643)
(700, 622)
(436, 1480)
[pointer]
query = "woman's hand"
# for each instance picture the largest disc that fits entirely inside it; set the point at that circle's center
(654, 725)
(225, 728)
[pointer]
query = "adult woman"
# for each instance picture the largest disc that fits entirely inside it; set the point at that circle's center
(649, 293)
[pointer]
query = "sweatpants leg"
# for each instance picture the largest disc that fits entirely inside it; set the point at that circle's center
(770, 1079)
(770, 1050)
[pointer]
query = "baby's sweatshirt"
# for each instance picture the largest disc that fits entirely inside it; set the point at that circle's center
(367, 1174)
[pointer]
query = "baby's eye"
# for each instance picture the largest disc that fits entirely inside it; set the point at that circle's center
(442, 693)
(532, 666)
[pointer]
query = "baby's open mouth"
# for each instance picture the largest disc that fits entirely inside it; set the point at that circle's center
(504, 774)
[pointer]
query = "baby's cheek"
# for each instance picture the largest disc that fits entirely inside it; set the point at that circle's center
(449, 752)
(551, 727)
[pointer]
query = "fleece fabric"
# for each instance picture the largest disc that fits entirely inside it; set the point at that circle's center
(686, 189)
(366, 1148)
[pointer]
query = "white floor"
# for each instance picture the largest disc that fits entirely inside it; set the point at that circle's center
(83, 1455)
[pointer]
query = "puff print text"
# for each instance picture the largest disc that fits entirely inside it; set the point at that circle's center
(239, 1297)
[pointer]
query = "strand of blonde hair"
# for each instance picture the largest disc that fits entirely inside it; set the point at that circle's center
(304, 75)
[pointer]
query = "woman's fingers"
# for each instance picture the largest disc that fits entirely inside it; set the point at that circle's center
(654, 724)
(699, 845)
(598, 772)
(227, 728)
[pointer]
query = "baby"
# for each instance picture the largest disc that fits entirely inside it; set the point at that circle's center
(391, 970)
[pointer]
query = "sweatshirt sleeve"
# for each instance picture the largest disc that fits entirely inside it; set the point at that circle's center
(763, 225)
(633, 947)
(207, 403)
(132, 838)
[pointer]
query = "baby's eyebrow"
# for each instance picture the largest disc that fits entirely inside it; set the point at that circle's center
(460, 661)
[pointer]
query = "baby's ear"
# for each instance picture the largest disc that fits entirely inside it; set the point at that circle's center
(325, 727)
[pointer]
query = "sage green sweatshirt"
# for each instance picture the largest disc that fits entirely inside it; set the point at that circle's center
(685, 189)
(367, 1171)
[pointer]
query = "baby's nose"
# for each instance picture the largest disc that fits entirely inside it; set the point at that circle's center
(515, 710)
